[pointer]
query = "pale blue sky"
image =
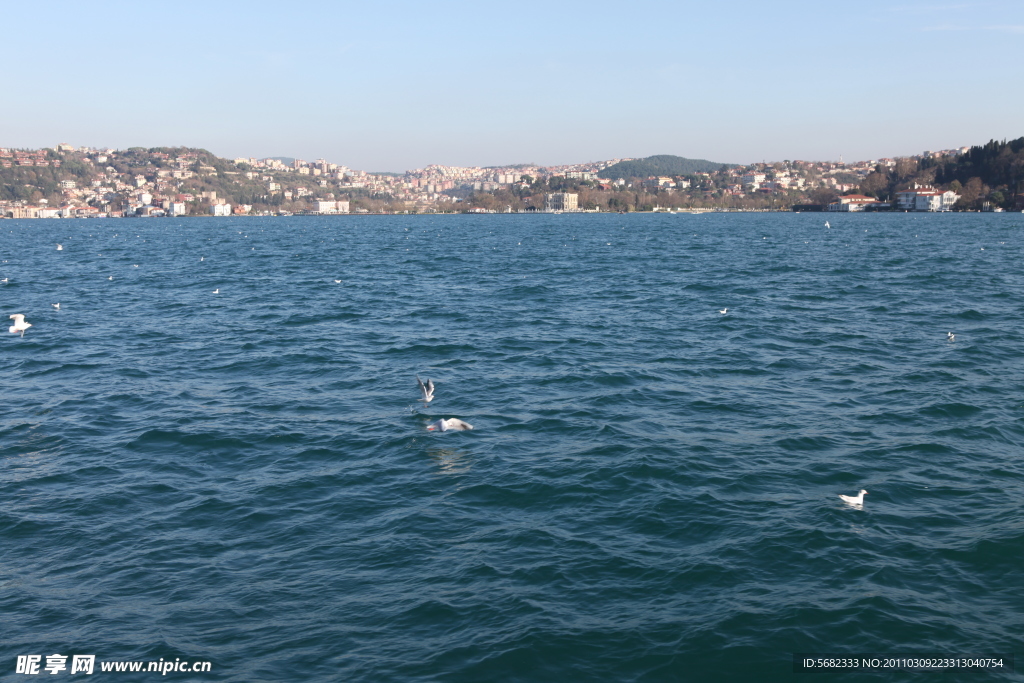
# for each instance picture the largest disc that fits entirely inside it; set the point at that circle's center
(398, 85)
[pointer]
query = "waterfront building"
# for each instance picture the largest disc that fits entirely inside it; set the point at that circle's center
(561, 201)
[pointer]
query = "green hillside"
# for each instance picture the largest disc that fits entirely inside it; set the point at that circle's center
(661, 164)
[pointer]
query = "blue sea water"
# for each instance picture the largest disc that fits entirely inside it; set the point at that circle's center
(650, 490)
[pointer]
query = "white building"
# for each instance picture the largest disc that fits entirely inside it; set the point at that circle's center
(925, 198)
(220, 209)
(322, 206)
(935, 201)
(852, 202)
(561, 201)
(177, 209)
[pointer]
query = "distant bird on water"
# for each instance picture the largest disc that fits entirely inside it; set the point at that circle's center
(453, 424)
(857, 500)
(950, 336)
(827, 225)
(217, 291)
(60, 247)
(427, 390)
(19, 324)
(724, 311)
(111, 277)
(57, 306)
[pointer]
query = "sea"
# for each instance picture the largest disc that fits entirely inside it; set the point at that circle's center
(213, 452)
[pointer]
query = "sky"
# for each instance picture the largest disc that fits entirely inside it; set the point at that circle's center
(399, 85)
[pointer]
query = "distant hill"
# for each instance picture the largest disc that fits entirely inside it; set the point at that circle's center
(662, 164)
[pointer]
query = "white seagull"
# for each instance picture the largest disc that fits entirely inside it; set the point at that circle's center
(111, 277)
(337, 282)
(57, 306)
(724, 311)
(856, 501)
(60, 247)
(453, 424)
(19, 324)
(827, 225)
(426, 389)
(950, 336)
(217, 291)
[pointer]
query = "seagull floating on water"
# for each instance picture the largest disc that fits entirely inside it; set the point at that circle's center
(724, 311)
(827, 225)
(111, 277)
(217, 291)
(60, 247)
(426, 389)
(20, 325)
(57, 306)
(453, 424)
(337, 282)
(950, 336)
(857, 500)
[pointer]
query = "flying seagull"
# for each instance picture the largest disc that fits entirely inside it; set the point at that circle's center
(827, 225)
(857, 500)
(19, 324)
(426, 389)
(60, 247)
(453, 424)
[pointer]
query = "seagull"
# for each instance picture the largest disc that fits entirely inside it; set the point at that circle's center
(135, 266)
(827, 225)
(950, 336)
(857, 500)
(202, 258)
(57, 306)
(4, 280)
(453, 424)
(426, 389)
(724, 311)
(20, 326)
(337, 282)
(111, 277)
(217, 291)
(60, 247)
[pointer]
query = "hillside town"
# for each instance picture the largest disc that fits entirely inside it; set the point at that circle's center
(72, 182)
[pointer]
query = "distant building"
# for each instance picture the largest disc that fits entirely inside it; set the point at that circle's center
(852, 202)
(67, 184)
(220, 209)
(322, 206)
(561, 201)
(926, 198)
(177, 209)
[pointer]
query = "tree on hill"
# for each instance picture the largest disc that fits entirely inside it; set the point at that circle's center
(661, 165)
